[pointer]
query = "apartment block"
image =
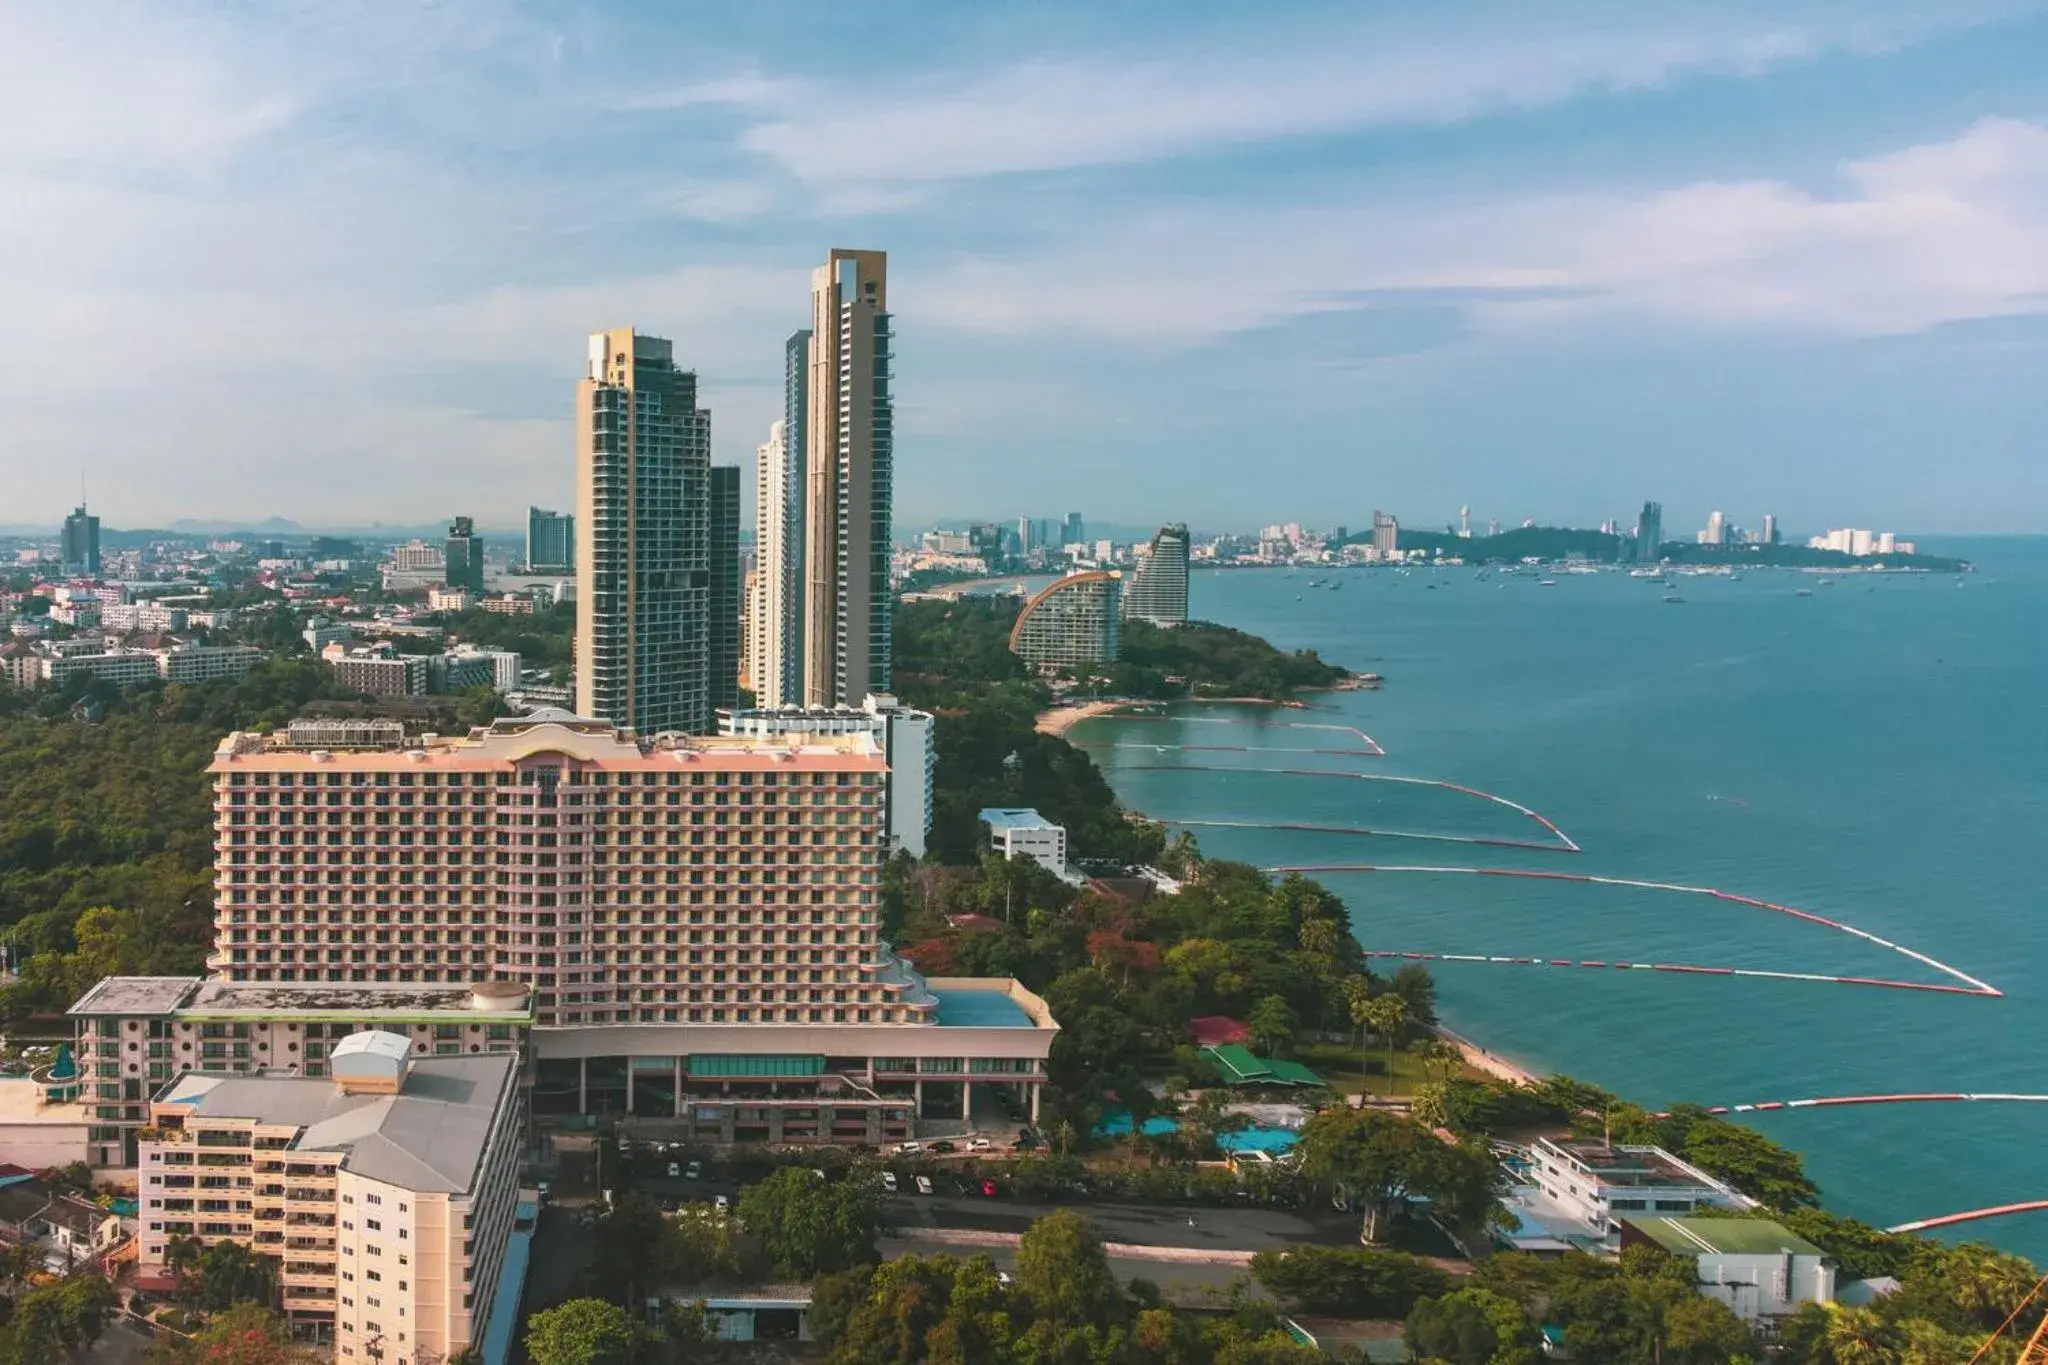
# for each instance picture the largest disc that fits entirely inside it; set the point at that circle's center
(137, 1033)
(387, 1190)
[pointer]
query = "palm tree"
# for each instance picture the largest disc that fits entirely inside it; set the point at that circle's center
(1441, 1058)
(1387, 1013)
(181, 1255)
(1857, 1336)
(1358, 995)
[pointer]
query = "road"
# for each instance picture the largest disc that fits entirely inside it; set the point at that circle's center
(1246, 1229)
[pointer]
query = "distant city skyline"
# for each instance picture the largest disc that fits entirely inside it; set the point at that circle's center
(1546, 260)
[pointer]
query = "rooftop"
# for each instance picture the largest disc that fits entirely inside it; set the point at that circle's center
(429, 1137)
(136, 995)
(1627, 1166)
(1725, 1236)
(997, 817)
(21, 1101)
(550, 731)
(980, 1009)
(349, 1000)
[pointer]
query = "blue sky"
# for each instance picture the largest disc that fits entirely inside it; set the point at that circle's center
(1222, 263)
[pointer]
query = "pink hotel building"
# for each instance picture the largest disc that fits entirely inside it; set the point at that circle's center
(686, 928)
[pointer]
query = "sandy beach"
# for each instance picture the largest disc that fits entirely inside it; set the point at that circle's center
(1061, 719)
(1492, 1063)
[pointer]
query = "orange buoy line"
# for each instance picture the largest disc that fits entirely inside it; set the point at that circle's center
(1564, 840)
(1841, 1101)
(1363, 831)
(1949, 1220)
(1970, 984)
(1371, 747)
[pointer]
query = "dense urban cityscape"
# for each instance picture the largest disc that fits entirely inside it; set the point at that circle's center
(1375, 712)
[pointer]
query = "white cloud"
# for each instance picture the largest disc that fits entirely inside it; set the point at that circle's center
(1057, 113)
(1928, 235)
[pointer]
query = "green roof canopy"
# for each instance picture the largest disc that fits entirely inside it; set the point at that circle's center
(1240, 1067)
(714, 1066)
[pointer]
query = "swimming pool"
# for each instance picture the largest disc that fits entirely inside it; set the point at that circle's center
(1257, 1138)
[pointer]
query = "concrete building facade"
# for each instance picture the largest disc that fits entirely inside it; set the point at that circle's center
(550, 541)
(849, 455)
(904, 734)
(643, 589)
(1158, 589)
(1070, 622)
(387, 1192)
(775, 624)
(722, 644)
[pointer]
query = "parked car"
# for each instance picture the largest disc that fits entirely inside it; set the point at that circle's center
(988, 1189)
(911, 1147)
(889, 1181)
(720, 1202)
(979, 1145)
(675, 1170)
(546, 1190)
(941, 1147)
(924, 1184)
(693, 1171)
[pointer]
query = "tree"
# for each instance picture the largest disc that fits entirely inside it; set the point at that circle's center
(1064, 1274)
(1375, 1157)
(810, 1226)
(1386, 1014)
(230, 1273)
(1349, 1282)
(246, 1334)
(182, 1255)
(583, 1332)
(54, 1319)
(1473, 1327)
(1272, 1024)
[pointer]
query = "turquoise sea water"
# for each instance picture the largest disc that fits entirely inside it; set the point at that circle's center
(1876, 753)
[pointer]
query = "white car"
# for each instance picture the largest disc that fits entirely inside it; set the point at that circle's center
(720, 1202)
(889, 1181)
(691, 1171)
(674, 1170)
(979, 1145)
(911, 1147)
(924, 1184)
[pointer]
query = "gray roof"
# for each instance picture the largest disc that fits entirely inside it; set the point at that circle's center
(429, 1137)
(136, 995)
(348, 999)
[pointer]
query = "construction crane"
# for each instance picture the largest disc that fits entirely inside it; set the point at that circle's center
(2035, 1352)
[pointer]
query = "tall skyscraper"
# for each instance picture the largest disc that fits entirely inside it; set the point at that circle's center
(849, 448)
(1386, 535)
(79, 548)
(550, 541)
(722, 660)
(1158, 591)
(1770, 533)
(1075, 532)
(1716, 530)
(776, 625)
(1650, 533)
(463, 560)
(643, 468)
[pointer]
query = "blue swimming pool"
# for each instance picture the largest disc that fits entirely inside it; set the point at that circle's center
(1257, 1138)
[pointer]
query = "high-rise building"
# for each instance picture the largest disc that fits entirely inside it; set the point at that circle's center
(1158, 590)
(1073, 621)
(904, 736)
(776, 623)
(1650, 533)
(849, 454)
(550, 541)
(1464, 523)
(463, 557)
(1770, 533)
(1386, 535)
(1716, 530)
(643, 469)
(694, 888)
(79, 549)
(722, 658)
(1075, 530)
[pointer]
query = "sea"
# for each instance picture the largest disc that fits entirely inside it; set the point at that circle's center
(1871, 748)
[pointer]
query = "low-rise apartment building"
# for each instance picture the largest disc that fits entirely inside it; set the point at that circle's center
(387, 1191)
(136, 1033)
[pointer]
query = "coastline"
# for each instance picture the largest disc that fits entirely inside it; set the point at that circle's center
(1066, 716)
(1060, 719)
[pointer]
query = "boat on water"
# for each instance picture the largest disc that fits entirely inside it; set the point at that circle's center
(1546, 582)
(1673, 597)
(1804, 592)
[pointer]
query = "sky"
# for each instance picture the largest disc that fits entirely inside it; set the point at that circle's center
(1219, 263)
